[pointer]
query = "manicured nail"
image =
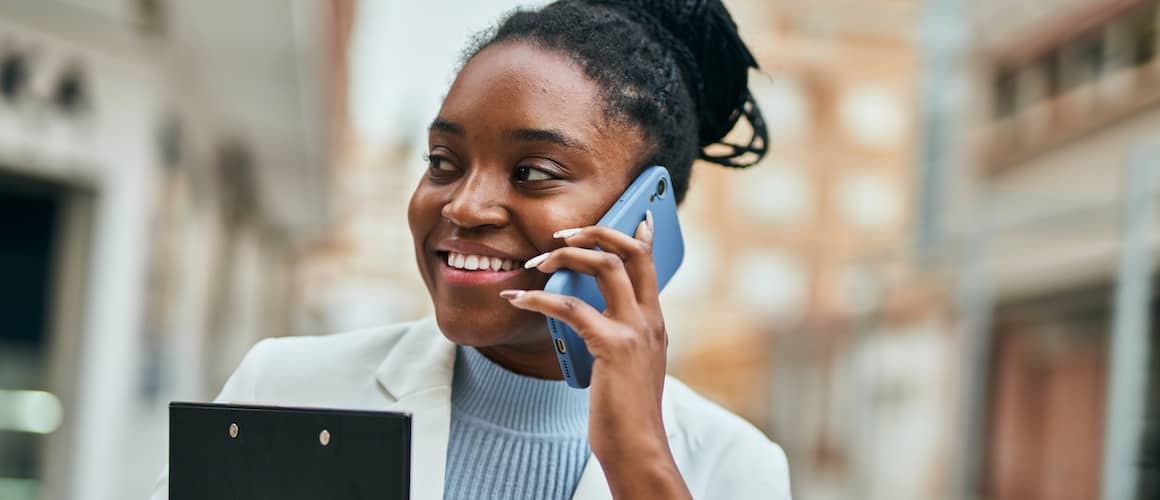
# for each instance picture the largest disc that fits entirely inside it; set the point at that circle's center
(567, 233)
(511, 294)
(537, 260)
(648, 217)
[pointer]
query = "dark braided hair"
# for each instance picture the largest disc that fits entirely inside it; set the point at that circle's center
(676, 68)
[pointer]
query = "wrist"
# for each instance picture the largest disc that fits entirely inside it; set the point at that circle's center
(644, 472)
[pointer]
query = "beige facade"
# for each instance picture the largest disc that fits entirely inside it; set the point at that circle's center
(817, 323)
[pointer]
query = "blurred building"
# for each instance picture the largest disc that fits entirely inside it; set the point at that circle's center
(1064, 109)
(160, 165)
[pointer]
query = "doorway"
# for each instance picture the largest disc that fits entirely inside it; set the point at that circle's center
(31, 212)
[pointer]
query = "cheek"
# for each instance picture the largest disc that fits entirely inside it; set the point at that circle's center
(573, 215)
(423, 211)
(583, 209)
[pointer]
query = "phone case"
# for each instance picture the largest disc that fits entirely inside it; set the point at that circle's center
(624, 216)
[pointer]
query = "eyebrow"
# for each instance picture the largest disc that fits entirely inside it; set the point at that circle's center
(446, 126)
(547, 135)
(553, 136)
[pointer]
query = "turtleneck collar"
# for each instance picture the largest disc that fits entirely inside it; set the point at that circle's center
(489, 392)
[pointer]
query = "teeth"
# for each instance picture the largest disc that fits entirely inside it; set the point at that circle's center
(480, 262)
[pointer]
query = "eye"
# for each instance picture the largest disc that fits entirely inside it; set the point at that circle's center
(438, 165)
(531, 174)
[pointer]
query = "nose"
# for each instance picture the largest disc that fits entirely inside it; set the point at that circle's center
(477, 203)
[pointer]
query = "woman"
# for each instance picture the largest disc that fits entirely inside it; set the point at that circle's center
(550, 118)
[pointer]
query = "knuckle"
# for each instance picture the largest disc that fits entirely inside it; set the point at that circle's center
(570, 303)
(631, 340)
(640, 248)
(662, 337)
(610, 261)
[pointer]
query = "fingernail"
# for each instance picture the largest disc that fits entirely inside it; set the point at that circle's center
(537, 260)
(567, 233)
(648, 222)
(511, 294)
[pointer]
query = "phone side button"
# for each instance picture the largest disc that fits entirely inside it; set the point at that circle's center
(560, 346)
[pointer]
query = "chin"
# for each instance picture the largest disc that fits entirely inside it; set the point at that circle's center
(485, 328)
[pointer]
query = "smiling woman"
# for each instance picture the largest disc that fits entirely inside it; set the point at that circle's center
(552, 115)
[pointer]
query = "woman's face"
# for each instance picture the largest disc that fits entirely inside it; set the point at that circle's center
(520, 149)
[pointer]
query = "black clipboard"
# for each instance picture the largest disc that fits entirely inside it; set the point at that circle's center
(225, 452)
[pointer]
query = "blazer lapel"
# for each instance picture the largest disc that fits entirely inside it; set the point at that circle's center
(417, 375)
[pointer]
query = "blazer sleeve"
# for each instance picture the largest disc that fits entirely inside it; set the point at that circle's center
(241, 386)
(750, 466)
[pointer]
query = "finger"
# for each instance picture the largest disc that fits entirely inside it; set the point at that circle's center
(583, 318)
(636, 252)
(606, 267)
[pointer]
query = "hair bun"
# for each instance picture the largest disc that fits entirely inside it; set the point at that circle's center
(714, 63)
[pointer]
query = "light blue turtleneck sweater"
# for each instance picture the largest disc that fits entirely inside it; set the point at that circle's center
(513, 437)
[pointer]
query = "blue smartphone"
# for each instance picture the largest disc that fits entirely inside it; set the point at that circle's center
(652, 190)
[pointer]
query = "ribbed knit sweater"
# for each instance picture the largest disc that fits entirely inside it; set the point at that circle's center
(513, 437)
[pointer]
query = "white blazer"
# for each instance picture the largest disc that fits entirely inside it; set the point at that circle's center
(408, 367)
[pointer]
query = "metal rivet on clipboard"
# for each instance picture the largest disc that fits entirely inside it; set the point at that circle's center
(234, 430)
(324, 437)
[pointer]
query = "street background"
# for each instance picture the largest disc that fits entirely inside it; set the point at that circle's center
(938, 284)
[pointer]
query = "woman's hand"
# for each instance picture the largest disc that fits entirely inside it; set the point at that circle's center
(628, 342)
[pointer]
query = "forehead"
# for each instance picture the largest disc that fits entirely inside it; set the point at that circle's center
(516, 85)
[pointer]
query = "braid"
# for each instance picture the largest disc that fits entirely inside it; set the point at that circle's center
(676, 68)
(680, 26)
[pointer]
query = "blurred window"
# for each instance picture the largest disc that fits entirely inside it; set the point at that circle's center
(1051, 73)
(771, 282)
(1033, 85)
(776, 194)
(785, 105)
(1144, 31)
(1004, 91)
(1119, 45)
(873, 115)
(1083, 62)
(869, 201)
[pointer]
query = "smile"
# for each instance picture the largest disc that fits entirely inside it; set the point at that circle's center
(480, 262)
(473, 270)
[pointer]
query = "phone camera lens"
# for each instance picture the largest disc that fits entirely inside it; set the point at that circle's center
(662, 186)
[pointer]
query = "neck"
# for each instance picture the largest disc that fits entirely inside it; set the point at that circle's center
(532, 360)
